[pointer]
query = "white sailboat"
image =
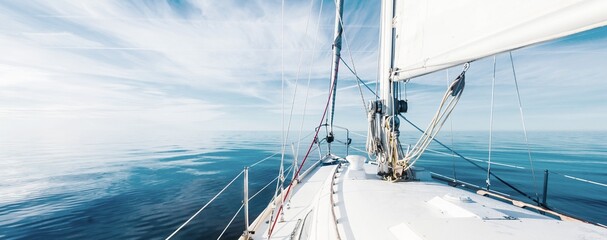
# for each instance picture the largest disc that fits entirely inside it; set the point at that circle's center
(350, 197)
(390, 198)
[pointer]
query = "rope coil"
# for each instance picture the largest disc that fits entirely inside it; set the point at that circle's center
(445, 108)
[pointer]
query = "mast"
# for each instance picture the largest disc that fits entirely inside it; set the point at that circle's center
(384, 112)
(416, 40)
(335, 64)
(386, 55)
(385, 59)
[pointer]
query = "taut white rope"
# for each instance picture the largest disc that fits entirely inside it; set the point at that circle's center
(520, 107)
(230, 223)
(305, 106)
(263, 160)
(450, 134)
(477, 160)
(444, 110)
(582, 180)
(205, 206)
(488, 180)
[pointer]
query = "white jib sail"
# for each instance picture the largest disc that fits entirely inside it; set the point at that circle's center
(436, 34)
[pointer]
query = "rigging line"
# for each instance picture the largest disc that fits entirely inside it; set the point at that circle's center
(520, 107)
(353, 69)
(584, 180)
(286, 134)
(230, 223)
(358, 149)
(305, 156)
(407, 82)
(267, 185)
(473, 163)
(451, 128)
(580, 179)
(205, 206)
(358, 78)
(312, 56)
(488, 181)
(357, 134)
(438, 120)
(263, 160)
(280, 183)
(254, 195)
(264, 188)
(393, 150)
(293, 178)
(360, 90)
(282, 78)
(250, 198)
(379, 63)
(477, 160)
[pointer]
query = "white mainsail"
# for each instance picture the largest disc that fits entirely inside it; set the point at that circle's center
(436, 34)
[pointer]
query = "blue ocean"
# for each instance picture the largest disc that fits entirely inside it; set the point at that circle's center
(145, 189)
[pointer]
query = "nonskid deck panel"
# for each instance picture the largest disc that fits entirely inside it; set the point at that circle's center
(369, 208)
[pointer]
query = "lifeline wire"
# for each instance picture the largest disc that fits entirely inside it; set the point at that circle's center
(305, 157)
(263, 160)
(477, 160)
(358, 78)
(488, 181)
(242, 205)
(280, 183)
(581, 179)
(205, 206)
(282, 77)
(471, 162)
(353, 68)
(230, 223)
(520, 107)
(297, 79)
(258, 162)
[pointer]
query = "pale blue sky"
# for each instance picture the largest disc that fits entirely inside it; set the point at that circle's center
(137, 67)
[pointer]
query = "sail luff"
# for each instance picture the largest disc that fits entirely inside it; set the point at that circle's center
(434, 35)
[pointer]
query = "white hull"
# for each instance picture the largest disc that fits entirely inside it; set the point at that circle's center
(367, 207)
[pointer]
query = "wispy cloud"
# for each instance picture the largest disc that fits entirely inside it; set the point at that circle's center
(219, 64)
(154, 59)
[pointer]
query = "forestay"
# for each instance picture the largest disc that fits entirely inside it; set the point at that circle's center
(436, 34)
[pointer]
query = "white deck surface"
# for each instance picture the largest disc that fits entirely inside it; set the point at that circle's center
(311, 194)
(370, 208)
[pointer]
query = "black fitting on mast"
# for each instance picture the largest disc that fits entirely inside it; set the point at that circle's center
(400, 106)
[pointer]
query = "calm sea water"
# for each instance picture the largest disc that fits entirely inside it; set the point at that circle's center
(127, 189)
